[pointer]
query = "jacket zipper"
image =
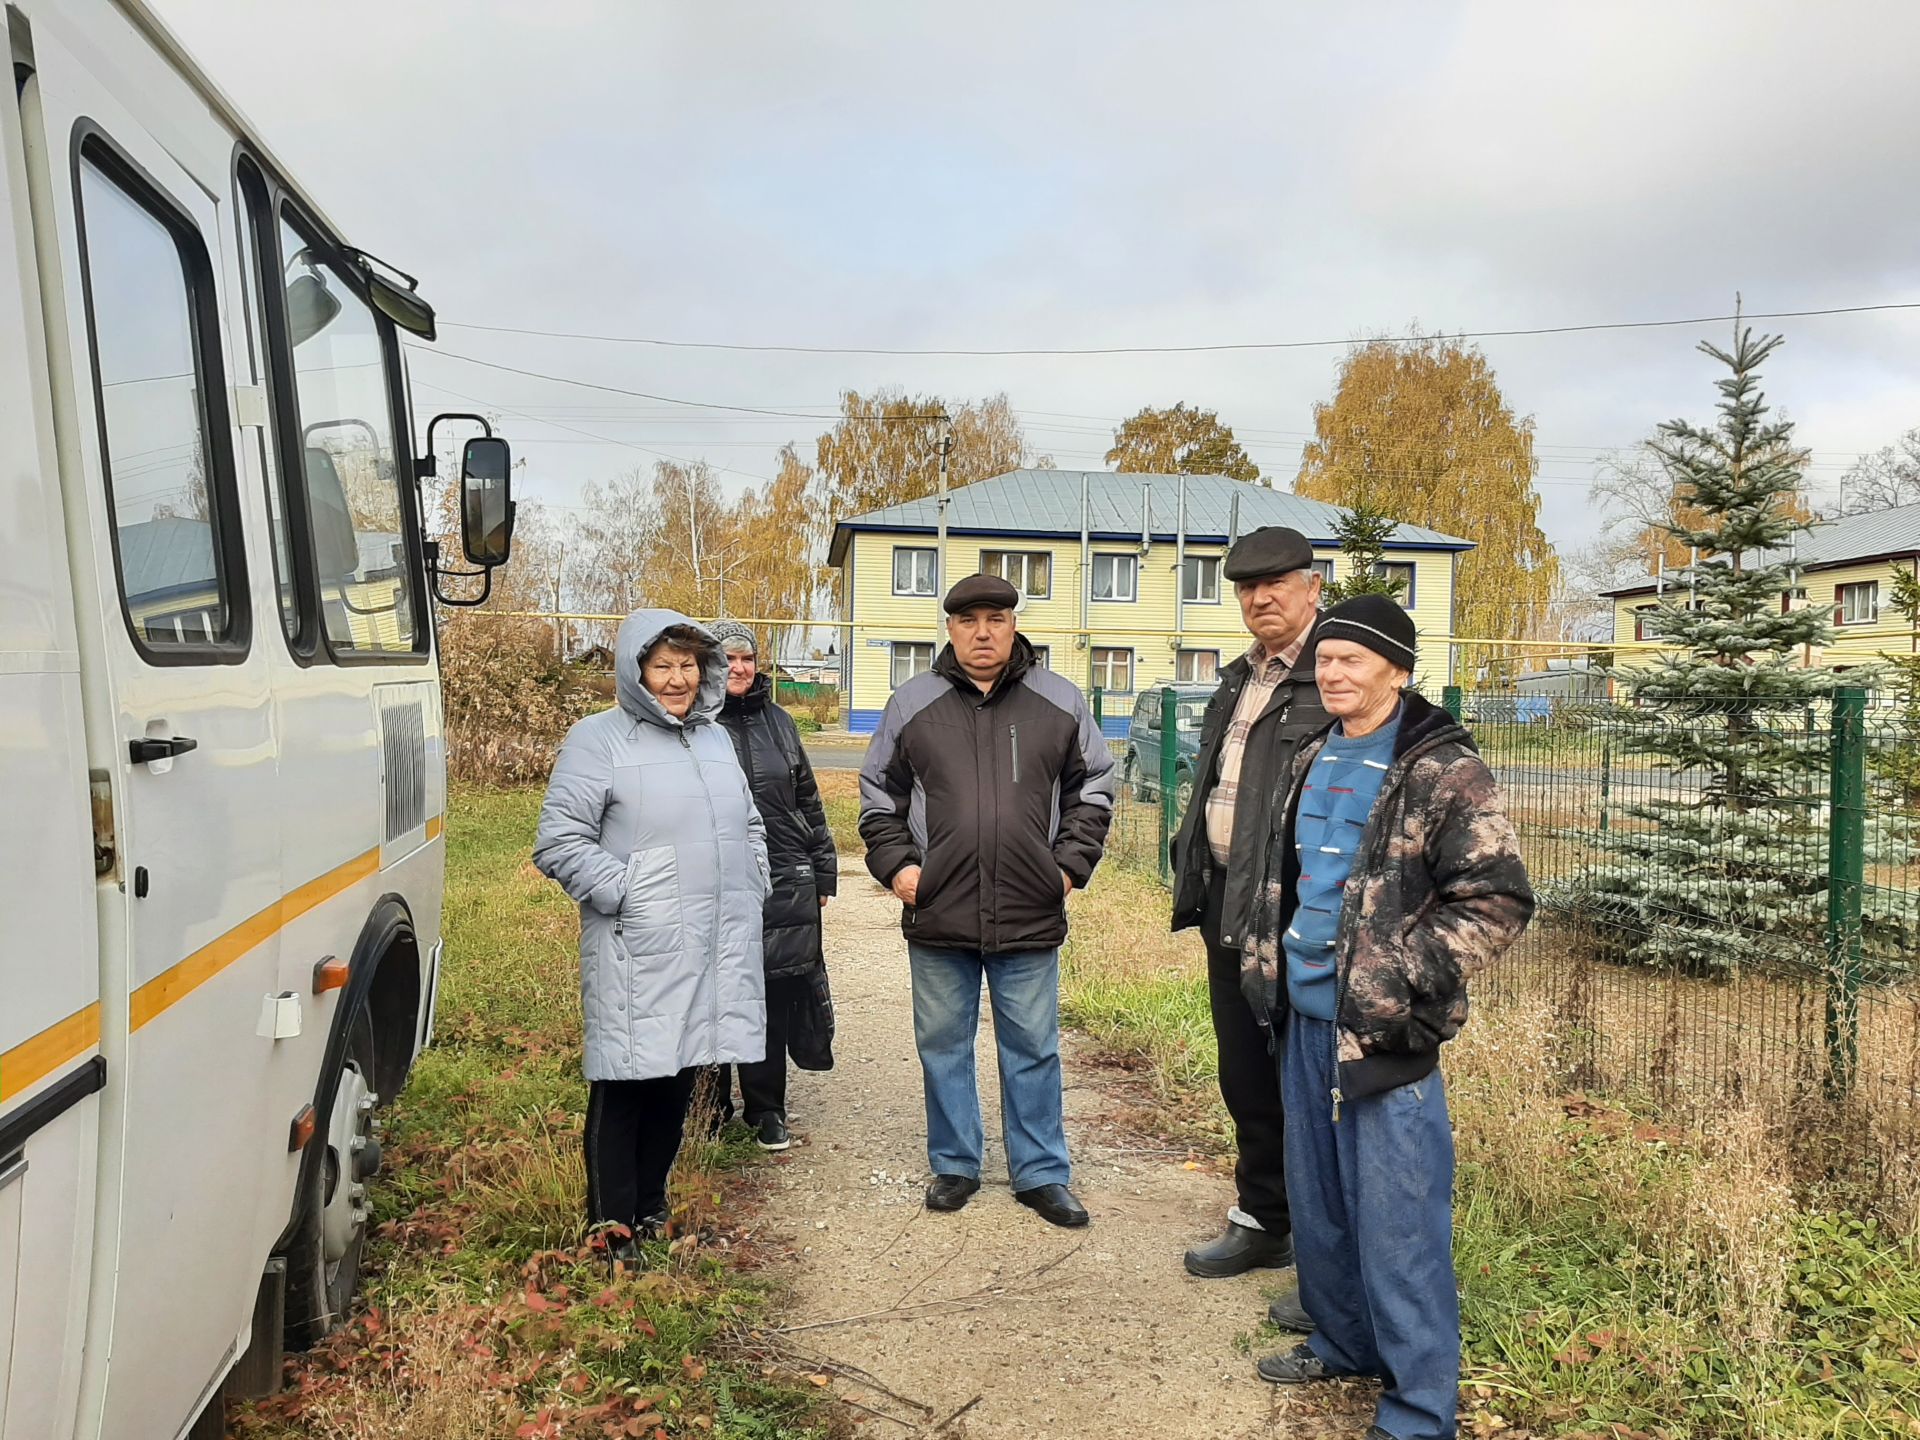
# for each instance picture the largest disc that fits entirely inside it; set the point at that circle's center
(720, 889)
(1343, 972)
(1013, 739)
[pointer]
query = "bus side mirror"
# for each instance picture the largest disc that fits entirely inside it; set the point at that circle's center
(486, 500)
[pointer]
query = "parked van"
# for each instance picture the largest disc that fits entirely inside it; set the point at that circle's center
(1141, 767)
(221, 858)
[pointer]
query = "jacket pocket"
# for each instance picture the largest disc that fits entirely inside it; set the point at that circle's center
(649, 922)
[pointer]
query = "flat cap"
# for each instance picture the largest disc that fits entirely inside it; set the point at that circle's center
(1270, 550)
(981, 590)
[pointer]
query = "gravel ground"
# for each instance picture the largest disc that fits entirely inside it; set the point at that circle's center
(990, 1322)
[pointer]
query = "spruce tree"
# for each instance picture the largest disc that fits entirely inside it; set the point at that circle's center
(1363, 532)
(1722, 863)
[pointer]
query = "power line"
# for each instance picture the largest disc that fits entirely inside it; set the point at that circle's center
(1171, 349)
(665, 399)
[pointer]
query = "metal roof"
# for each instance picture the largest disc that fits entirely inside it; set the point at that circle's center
(1871, 536)
(1047, 503)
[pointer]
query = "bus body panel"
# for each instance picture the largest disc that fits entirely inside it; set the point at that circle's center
(315, 789)
(49, 974)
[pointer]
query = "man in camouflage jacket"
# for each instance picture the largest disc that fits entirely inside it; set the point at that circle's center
(1396, 877)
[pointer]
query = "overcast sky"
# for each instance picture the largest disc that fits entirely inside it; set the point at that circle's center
(1035, 175)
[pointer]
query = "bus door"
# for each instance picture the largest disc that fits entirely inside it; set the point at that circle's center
(50, 1069)
(178, 650)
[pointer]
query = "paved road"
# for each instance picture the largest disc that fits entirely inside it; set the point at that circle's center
(836, 756)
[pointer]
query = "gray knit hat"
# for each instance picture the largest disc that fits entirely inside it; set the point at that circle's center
(732, 637)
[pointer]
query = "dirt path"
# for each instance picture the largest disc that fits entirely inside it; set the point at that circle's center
(1021, 1328)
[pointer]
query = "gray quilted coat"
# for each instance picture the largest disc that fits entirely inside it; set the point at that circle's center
(649, 825)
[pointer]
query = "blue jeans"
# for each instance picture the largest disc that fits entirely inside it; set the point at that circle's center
(1372, 1202)
(1026, 1027)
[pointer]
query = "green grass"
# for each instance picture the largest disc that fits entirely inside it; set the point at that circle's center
(1602, 1259)
(487, 1313)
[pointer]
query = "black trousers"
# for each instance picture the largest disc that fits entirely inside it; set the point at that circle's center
(633, 1132)
(763, 1083)
(1249, 1079)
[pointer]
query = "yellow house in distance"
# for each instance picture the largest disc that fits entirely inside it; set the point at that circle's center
(1121, 575)
(1846, 564)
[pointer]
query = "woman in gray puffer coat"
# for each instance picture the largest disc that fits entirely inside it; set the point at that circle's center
(649, 825)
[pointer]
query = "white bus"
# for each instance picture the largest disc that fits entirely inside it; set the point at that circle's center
(221, 853)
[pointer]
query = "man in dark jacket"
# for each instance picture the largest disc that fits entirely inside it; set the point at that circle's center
(805, 871)
(984, 801)
(1396, 878)
(1265, 707)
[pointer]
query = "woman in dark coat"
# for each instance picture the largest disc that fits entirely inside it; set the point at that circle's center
(805, 873)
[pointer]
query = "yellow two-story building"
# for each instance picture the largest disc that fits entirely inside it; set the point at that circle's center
(1845, 565)
(1120, 576)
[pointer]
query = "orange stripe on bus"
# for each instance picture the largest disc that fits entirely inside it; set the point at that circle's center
(31, 1061)
(172, 985)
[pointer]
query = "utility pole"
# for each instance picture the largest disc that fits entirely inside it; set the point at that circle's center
(940, 546)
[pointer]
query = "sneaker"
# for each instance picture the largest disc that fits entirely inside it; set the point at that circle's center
(772, 1132)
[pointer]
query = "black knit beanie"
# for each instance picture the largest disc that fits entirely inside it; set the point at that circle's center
(1375, 621)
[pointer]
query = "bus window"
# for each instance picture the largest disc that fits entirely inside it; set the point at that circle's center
(352, 468)
(260, 272)
(150, 308)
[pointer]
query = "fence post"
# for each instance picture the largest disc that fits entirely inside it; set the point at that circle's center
(1099, 710)
(1450, 697)
(1846, 871)
(1606, 785)
(1169, 754)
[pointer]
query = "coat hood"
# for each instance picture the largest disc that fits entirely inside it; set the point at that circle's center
(637, 634)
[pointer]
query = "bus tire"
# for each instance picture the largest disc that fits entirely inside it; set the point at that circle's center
(323, 1258)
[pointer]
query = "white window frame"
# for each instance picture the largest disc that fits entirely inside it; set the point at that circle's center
(1844, 595)
(1103, 668)
(1200, 567)
(1043, 656)
(1114, 558)
(894, 657)
(1026, 559)
(933, 585)
(1646, 623)
(1385, 570)
(1180, 657)
(1324, 569)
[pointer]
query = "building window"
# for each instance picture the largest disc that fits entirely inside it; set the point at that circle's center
(1113, 669)
(915, 571)
(1391, 570)
(1646, 622)
(910, 658)
(1043, 656)
(1857, 604)
(1196, 667)
(1324, 569)
(1113, 577)
(1200, 580)
(1028, 571)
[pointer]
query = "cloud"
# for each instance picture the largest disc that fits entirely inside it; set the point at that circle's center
(1019, 174)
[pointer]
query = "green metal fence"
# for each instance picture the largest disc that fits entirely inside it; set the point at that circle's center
(1707, 937)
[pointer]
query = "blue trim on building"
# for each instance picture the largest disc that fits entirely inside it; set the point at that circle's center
(863, 722)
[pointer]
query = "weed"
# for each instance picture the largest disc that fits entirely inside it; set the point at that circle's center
(489, 1312)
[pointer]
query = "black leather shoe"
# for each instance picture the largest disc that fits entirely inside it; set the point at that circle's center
(950, 1192)
(771, 1131)
(1054, 1203)
(1289, 1314)
(1298, 1366)
(1240, 1249)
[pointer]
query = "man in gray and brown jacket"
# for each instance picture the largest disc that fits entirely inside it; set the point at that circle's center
(1395, 878)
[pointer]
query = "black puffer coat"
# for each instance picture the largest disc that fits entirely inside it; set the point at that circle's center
(799, 845)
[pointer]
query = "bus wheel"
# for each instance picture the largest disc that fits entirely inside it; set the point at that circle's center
(323, 1262)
